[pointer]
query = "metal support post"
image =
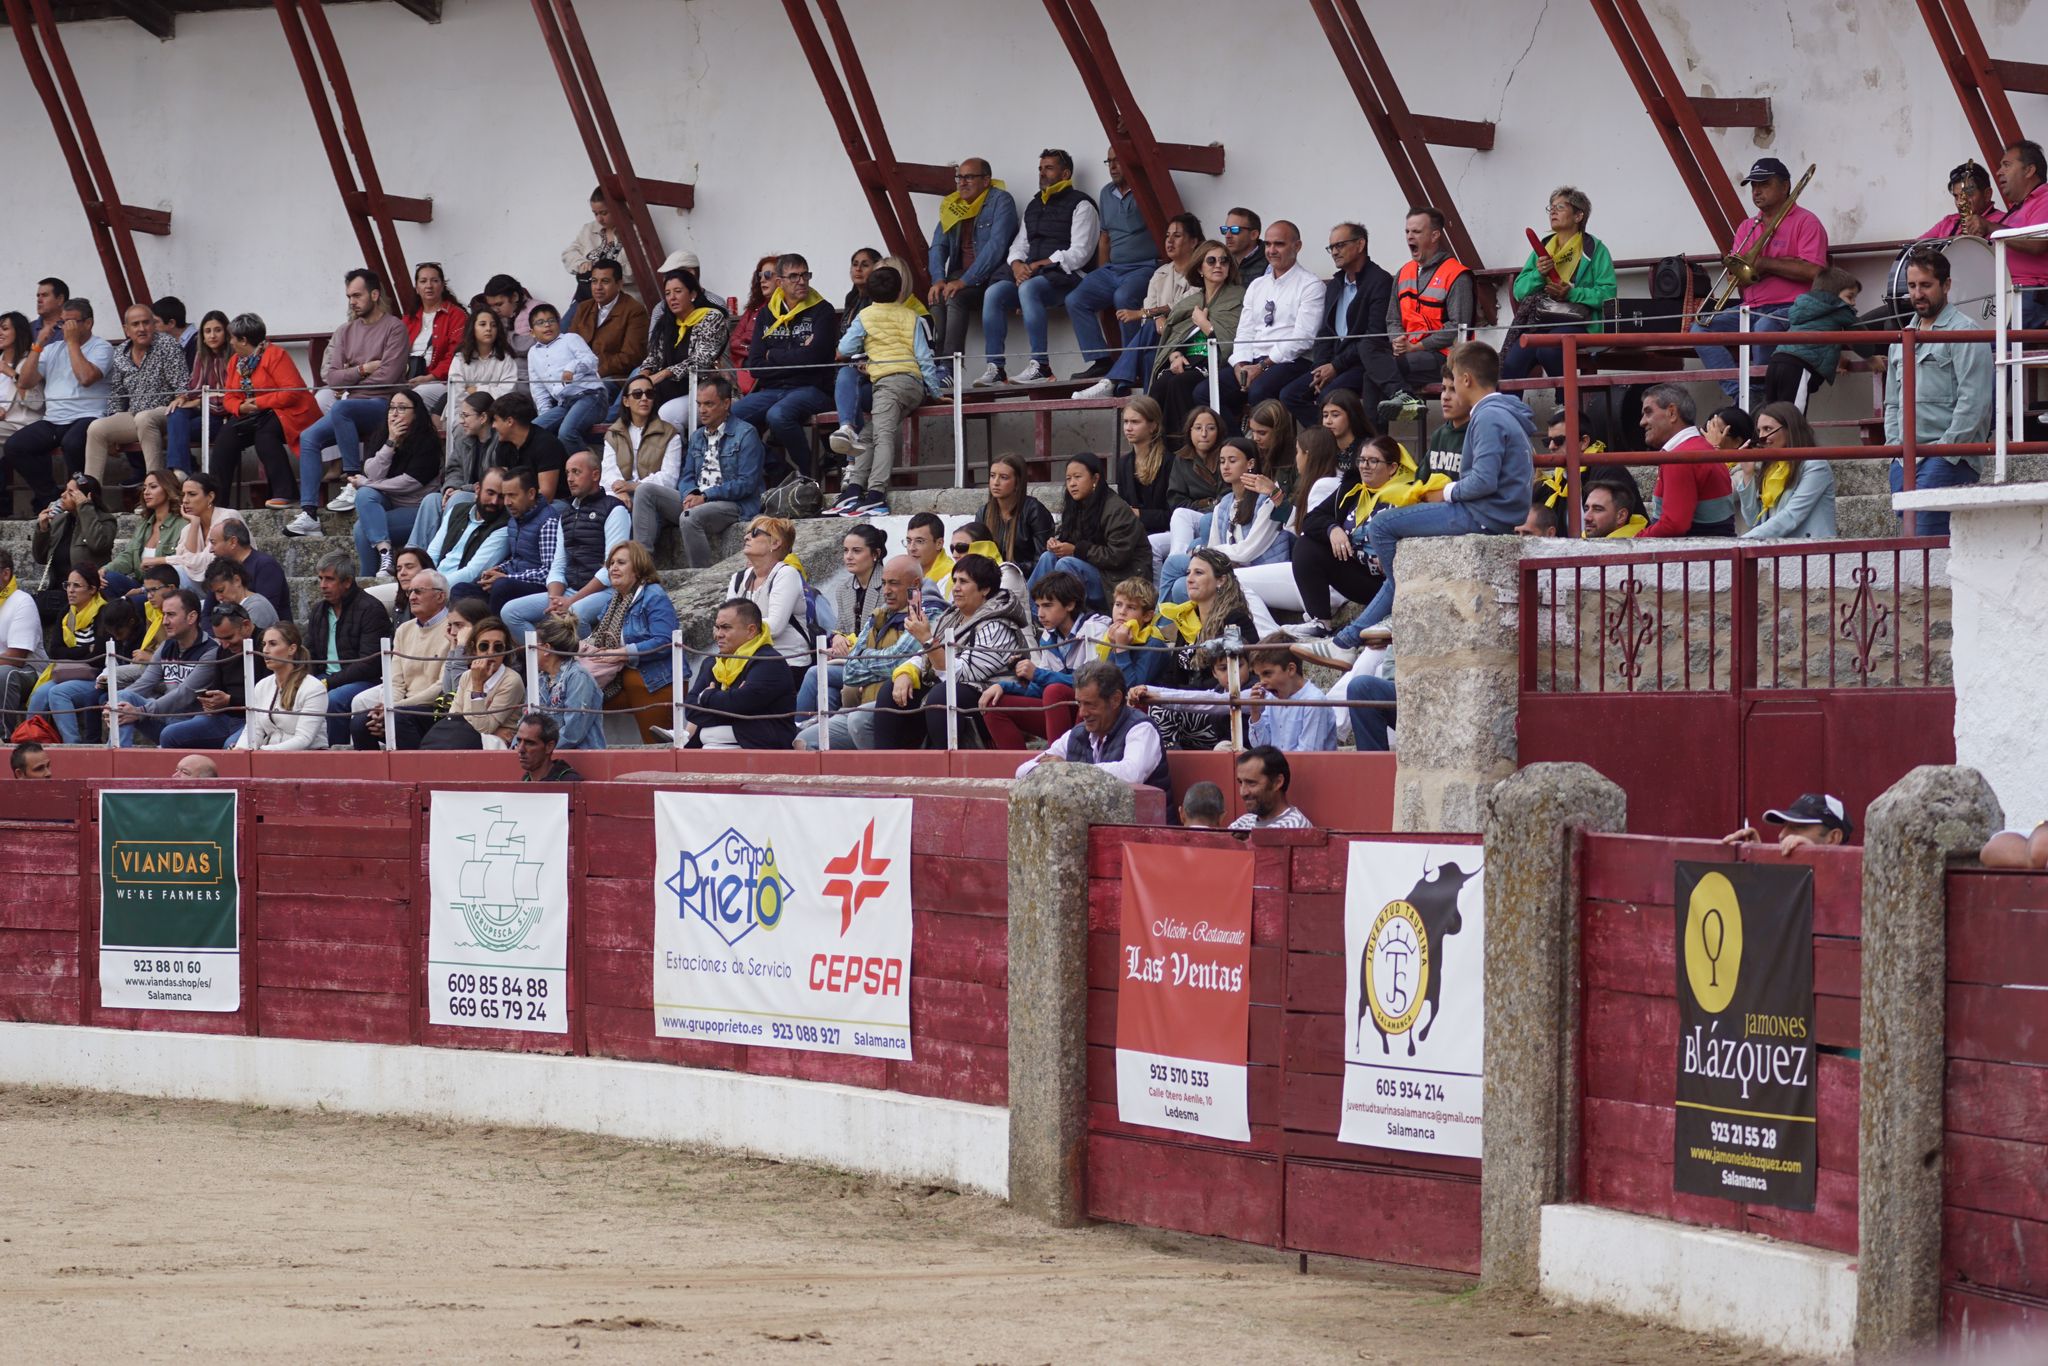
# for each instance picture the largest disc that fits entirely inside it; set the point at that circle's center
(824, 668)
(679, 676)
(959, 421)
(113, 726)
(390, 694)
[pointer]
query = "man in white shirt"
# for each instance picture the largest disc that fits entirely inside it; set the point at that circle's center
(1054, 244)
(566, 389)
(1276, 332)
(21, 638)
(1262, 782)
(1121, 741)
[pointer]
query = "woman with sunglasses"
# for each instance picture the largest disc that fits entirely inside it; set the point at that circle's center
(1197, 334)
(773, 581)
(640, 447)
(743, 325)
(1785, 499)
(488, 698)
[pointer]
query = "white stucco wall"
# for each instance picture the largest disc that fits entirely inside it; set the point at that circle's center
(1998, 564)
(215, 127)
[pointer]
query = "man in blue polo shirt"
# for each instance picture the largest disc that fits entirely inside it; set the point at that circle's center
(72, 365)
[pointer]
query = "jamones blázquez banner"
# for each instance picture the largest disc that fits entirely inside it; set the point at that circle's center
(1748, 1068)
(1183, 1005)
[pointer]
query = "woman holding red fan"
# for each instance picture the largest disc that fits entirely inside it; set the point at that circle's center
(1566, 282)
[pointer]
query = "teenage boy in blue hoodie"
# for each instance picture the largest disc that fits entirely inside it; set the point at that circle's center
(1496, 474)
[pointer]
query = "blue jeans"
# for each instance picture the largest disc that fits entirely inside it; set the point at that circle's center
(1035, 299)
(378, 523)
(1932, 472)
(573, 420)
(852, 397)
(152, 726)
(1769, 319)
(1369, 724)
(339, 696)
(1395, 525)
(1109, 286)
(1519, 362)
(181, 429)
(66, 703)
(2034, 308)
(201, 732)
(1134, 366)
(807, 691)
(343, 428)
(521, 615)
(786, 415)
(1087, 573)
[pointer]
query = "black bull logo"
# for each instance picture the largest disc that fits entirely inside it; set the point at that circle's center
(1435, 899)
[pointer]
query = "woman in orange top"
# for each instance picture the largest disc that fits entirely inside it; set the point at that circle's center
(268, 405)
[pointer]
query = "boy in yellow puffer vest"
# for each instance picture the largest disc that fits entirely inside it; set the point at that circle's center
(901, 368)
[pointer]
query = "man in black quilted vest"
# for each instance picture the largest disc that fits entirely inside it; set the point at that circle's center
(1055, 243)
(593, 525)
(1120, 740)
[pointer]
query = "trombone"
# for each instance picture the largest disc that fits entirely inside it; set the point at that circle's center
(1738, 271)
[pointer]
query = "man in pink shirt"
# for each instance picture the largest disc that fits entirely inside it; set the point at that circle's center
(1970, 183)
(1795, 254)
(2021, 171)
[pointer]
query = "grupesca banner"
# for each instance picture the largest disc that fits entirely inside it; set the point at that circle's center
(783, 922)
(498, 927)
(1414, 997)
(1184, 990)
(170, 901)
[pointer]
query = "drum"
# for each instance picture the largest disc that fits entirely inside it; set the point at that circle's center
(1973, 278)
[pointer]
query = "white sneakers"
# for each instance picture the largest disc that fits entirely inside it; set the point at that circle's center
(305, 524)
(345, 501)
(990, 377)
(1102, 388)
(1035, 373)
(845, 440)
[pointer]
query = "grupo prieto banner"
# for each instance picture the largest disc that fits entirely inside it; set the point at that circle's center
(1184, 990)
(1748, 1070)
(783, 922)
(1414, 1002)
(498, 931)
(170, 901)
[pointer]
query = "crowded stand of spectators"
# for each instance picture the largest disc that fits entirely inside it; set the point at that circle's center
(509, 469)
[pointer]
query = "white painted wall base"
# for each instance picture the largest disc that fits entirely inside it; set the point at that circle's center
(884, 1133)
(1782, 1296)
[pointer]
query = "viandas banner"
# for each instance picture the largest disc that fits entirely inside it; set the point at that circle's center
(1748, 1079)
(170, 901)
(1184, 992)
(498, 928)
(1414, 997)
(783, 922)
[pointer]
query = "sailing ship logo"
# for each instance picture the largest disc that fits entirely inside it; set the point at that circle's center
(498, 886)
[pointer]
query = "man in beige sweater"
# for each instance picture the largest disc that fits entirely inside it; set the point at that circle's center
(419, 656)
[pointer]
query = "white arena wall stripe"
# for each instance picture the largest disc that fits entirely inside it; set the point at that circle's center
(879, 1133)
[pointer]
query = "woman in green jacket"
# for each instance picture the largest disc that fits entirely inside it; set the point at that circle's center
(1570, 303)
(158, 525)
(1203, 325)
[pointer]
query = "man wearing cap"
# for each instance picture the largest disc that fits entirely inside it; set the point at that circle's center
(1796, 253)
(1815, 818)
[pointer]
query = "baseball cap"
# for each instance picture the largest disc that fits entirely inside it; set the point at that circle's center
(687, 260)
(1814, 808)
(1767, 168)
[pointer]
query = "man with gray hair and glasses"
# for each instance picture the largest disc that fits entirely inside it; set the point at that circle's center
(419, 661)
(1692, 499)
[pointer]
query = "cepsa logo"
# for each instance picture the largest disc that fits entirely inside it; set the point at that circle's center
(732, 885)
(855, 878)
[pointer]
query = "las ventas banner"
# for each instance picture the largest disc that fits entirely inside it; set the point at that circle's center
(1748, 1077)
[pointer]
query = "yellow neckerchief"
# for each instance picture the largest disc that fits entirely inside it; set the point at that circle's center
(697, 315)
(154, 615)
(13, 582)
(1142, 632)
(1045, 195)
(1389, 493)
(1554, 487)
(989, 549)
(798, 565)
(780, 317)
(953, 210)
(941, 570)
(726, 672)
(1628, 530)
(1186, 615)
(1772, 483)
(1566, 253)
(74, 622)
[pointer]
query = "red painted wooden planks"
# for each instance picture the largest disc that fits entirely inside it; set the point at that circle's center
(1978, 1319)
(351, 1016)
(1383, 1216)
(1997, 1176)
(293, 917)
(1997, 1100)
(2000, 1251)
(1996, 1024)
(976, 1073)
(305, 965)
(1991, 889)
(1997, 946)
(1198, 1190)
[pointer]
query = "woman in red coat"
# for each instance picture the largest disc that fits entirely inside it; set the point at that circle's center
(267, 405)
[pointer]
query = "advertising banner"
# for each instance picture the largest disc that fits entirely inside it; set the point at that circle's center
(498, 928)
(170, 901)
(1748, 1079)
(1184, 990)
(783, 922)
(1414, 997)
